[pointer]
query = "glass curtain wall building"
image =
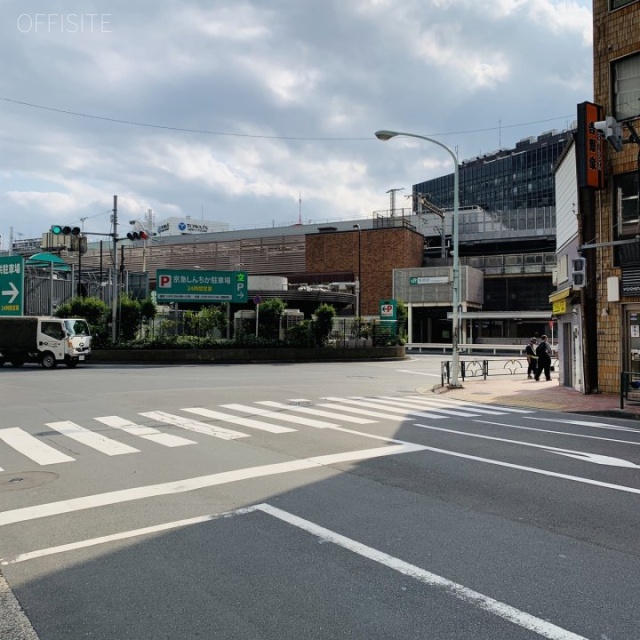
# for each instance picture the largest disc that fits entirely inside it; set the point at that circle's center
(503, 180)
(507, 230)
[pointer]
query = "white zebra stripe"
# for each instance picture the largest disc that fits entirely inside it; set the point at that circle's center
(141, 431)
(31, 447)
(274, 415)
(194, 425)
(245, 422)
(316, 412)
(398, 411)
(410, 410)
(438, 405)
(91, 439)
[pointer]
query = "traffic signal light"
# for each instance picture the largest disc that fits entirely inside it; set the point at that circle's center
(612, 131)
(58, 229)
(138, 235)
(79, 244)
(578, 272)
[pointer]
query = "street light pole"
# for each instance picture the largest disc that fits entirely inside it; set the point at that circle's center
(359, 281)
(455, 355)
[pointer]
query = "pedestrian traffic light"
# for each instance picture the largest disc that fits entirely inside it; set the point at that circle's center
(138, 235)
(578, 272)
(64, 230)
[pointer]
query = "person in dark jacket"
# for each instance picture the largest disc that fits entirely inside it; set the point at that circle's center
(543, 351)
(532, 358)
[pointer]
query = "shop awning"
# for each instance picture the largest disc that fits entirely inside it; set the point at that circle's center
(560, 295)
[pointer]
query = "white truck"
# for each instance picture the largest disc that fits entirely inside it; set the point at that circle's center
(45, 340)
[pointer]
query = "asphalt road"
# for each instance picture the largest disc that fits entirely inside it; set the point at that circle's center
(334, 500)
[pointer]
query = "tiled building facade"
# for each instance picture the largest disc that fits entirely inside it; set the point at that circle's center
(376, 251)
(616, 51)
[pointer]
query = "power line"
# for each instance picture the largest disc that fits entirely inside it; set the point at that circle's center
(249, 135)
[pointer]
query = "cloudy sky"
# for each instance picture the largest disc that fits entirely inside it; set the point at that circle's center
(235, 110)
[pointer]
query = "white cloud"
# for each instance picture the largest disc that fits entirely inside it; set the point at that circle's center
(464, 71)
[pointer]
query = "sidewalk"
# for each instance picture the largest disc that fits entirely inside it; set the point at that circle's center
(518, 391)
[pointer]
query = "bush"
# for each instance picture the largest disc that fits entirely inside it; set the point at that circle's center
(301, 335)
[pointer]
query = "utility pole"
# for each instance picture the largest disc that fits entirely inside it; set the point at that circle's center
(114, 292)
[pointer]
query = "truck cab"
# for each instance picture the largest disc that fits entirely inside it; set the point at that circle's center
(44, 340)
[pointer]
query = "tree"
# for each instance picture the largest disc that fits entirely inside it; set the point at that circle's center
(269, 315)
(148, 311)
(402, 316)
(95, 311)
(324, 323)
(130, 317)
(211, 318)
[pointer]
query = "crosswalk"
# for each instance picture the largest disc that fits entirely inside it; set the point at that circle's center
(225, 420)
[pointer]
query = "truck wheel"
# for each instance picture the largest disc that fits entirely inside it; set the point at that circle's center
(48, 361)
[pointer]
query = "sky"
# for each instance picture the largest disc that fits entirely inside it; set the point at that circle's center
(260, 113)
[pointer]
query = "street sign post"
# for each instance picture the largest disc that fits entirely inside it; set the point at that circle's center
(191, 285)
(11, 286)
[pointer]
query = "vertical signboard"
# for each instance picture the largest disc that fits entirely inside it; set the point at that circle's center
(589, 147)
(11, 286)
(388, 310)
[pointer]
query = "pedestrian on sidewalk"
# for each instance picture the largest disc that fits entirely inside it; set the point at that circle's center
(532, 358)
(543, 351)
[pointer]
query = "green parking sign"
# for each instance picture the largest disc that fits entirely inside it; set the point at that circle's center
(190, 285)
(11, 286)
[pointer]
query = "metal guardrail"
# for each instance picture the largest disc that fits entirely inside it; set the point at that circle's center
(485, 368)
(445, 347)
(629, 387)
(490, 349)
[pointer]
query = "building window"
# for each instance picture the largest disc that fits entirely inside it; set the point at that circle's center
(616, 4)
(626, 87)
(625, 189)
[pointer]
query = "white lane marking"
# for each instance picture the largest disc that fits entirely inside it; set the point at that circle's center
(464, 403)
(578, 455)
(419, 373)
(124, 535)
(466, 595)
(194, 425)
(201, 482)
(141, 431)
(316, 412)
(398, 411)
(31, 447)
(245, 422)
(275, 415)
(542, 472)
(560, 433)
(411, 411)
(584, 423)
(91, 439)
